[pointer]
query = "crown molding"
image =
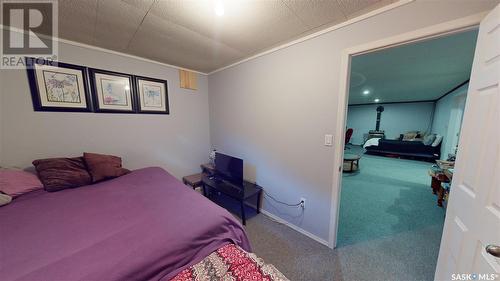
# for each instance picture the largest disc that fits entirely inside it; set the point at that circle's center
(454, 89)
(87, 46)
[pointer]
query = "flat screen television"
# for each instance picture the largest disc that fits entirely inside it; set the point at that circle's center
(228, 167)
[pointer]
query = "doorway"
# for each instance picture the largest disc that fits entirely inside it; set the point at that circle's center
(405, 216)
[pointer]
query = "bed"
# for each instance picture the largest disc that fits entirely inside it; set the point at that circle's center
(408, 149)
(145, 225)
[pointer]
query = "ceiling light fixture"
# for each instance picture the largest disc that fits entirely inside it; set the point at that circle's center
(376, 100)
(366, 92)
(219, 8)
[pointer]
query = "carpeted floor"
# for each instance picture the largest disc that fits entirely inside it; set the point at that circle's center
(390, 229)
(387, 207)
(385, 197)
(404, 256)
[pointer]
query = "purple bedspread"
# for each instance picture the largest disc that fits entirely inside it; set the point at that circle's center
(142, 226)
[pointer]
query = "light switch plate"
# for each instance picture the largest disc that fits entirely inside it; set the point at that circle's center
(328, 140)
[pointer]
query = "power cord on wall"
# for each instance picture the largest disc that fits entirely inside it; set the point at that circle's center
(280, 202)
(300, 204)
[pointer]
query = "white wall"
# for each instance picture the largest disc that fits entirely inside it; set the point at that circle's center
(397, 118)
(273, 111)
(447, 117)
(178, 142)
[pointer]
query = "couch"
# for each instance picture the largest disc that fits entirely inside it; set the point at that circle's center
(406, 149)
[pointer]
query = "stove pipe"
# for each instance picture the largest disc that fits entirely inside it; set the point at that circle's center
(380, 109)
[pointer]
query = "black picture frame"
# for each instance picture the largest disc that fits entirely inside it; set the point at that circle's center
(35, 85)
(139, 97)
(95, 93)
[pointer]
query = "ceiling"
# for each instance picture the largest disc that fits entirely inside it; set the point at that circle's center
(420, 71)
(188, 33)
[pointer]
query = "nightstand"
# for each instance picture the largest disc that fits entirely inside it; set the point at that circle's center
(195, 180)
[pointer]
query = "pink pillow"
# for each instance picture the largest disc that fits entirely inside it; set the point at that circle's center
(17, 182)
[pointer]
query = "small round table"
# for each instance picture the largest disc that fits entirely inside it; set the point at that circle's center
(352, 160)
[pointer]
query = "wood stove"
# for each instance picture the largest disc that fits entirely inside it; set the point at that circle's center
(377, 133)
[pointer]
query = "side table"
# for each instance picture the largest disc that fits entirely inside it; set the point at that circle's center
(240, 192)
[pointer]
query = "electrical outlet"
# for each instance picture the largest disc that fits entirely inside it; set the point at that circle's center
(303, 202)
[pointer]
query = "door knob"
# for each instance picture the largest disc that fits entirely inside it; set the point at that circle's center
(493, 250)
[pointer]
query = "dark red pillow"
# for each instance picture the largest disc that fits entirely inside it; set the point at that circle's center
(61, 173)
(102, 167)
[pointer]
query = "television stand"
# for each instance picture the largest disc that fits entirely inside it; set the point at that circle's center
(240, 192)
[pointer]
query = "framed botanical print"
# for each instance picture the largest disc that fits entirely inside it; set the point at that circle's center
(112, 91)
(152, 95)
(57, 86)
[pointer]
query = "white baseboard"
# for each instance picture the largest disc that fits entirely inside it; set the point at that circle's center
(294, 227)
(284, 222)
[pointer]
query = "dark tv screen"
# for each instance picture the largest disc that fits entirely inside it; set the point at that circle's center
(230, 168)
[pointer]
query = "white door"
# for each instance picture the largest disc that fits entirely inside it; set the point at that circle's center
(473, 215)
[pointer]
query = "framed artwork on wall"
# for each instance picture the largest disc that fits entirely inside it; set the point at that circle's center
(112, 91)
(152, 95)
(57, 86)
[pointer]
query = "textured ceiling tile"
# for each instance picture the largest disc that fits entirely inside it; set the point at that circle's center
(243, 22)
(172, 53)
(143, 5)
(77, 33)
(189, 34)
(350, 7)
(192, 41)
(275, 34)
(77, 20)
(315, 13)
(370, 8)
(117, 22)
(265, 23)
(174, 41)
(197, 16)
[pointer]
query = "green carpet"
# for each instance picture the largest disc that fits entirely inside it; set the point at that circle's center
(385, 197)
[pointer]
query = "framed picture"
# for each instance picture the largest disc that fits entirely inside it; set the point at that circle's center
(112, 91)
(152, 95)
(58, 86)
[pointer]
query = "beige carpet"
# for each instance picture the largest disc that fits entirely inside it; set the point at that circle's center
(301, 258)
(297, 256)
